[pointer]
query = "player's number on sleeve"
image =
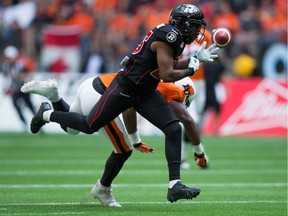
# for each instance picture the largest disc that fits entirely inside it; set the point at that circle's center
(139, 47)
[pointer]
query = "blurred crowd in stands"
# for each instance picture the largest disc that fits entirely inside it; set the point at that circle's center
(111, 29)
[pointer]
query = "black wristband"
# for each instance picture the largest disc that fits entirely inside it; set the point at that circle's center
(136, 145)
(189, 72)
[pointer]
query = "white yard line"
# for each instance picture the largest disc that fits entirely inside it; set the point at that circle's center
(275, 184)
(143, 172)
(150, 203)
(83, 161)
(50, 213)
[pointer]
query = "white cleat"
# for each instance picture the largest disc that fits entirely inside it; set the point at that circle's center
(104, 195)
(46, 88)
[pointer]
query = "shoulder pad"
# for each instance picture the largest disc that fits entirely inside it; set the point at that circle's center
(168, 33)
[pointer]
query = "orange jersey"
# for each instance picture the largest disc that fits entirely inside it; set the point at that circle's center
(168, 90)
(171, 92)
(107, 78)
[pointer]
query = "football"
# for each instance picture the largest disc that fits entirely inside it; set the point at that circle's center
(221, 36)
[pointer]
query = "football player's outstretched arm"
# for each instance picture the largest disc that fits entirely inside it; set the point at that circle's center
(130, 121)
(192, 132)
(188, 122)
(166, 63)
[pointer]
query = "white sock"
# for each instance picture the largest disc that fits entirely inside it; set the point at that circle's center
(46, 115)
(199, 149)
(135, 137)
(173, 182)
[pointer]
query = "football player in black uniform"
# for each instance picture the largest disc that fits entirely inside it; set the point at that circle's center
(155, 59)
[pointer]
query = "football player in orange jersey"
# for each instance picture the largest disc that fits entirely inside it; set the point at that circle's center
(115, 131)
(178, 95)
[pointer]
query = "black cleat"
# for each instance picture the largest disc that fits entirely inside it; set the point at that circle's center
(180, 191)
(37, 121)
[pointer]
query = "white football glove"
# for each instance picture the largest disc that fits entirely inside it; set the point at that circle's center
(194, 64)
(208, 54)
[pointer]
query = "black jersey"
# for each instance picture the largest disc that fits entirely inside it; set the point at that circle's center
(141, 75)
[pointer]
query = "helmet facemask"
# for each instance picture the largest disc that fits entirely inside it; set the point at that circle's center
(196, 33)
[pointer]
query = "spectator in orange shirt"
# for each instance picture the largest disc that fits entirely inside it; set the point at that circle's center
(273, 20)
(81, 16)
(101, 5)
(226, 18)
(156, 13)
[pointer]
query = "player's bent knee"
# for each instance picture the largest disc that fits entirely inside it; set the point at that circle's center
(128, 154)
(124, 156)
(118, 159)
(84, 127)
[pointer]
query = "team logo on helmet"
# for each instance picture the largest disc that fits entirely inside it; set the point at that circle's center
(171, 37)
(190, 9)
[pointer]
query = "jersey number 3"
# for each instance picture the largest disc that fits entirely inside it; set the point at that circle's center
(139, 47)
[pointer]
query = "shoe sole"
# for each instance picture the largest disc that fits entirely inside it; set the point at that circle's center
(102, 203)
(34, 86)
(35, 125)
(188, 195)
(34, 129)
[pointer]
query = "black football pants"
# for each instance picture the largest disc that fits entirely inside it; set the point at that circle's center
(113, 102)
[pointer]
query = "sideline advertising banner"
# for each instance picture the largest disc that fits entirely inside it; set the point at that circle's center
(253, 106)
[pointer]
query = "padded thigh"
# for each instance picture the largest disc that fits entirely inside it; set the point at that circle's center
(153, 104)
(86, 98)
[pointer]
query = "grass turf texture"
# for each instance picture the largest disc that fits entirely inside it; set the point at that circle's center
(52, 174)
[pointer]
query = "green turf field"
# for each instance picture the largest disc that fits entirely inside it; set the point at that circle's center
(53, 174)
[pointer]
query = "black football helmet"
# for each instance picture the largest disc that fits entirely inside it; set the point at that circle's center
(189, 20)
